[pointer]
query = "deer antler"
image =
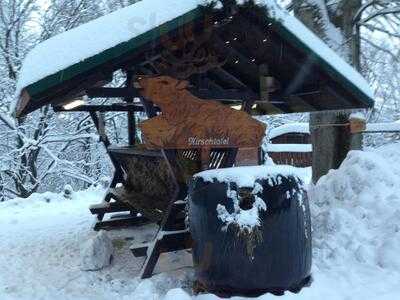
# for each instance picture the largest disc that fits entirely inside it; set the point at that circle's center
(189, 54)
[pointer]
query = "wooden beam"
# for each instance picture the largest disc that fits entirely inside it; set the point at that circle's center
(131, 114)
(266, 105)
(297, 104)
(106, 92)
(109, 207)
(214, 93)
(121, 221)
(99, 123)
(337, 100)
(62, 93)
(117, 107)
(180, 240)
(227, 78)
(224, 95)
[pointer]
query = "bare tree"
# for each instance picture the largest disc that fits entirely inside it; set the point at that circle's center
(37, 148)
(342, 25)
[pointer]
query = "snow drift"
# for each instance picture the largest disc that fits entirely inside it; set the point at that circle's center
(356, 221)
(356, 217)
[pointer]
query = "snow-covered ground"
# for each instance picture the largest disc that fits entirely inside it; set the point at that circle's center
(356, 220)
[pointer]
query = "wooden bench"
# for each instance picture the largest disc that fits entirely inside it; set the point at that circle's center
(144, 186)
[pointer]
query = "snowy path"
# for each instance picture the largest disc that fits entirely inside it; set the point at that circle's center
(356, 244)
(39, 252)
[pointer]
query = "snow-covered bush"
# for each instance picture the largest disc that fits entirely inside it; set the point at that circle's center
(68, 190)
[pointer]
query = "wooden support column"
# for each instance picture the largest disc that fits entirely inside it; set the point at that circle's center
(100, 126)
(131, 128)
(265, 90)
(131, 114)
(99, 123)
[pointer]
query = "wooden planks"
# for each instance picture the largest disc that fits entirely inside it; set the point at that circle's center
(121, 221)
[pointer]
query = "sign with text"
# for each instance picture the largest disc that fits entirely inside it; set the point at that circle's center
(188, 122)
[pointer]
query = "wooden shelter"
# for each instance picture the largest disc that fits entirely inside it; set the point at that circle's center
(255, 58)
(264, 55)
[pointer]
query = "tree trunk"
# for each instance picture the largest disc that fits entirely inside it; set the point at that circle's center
(331, 143)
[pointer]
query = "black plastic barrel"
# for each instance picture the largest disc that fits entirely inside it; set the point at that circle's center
(228, 260)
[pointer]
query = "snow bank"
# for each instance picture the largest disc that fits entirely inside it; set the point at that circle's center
(96, 253)
(40, 241)
(289, 128)
(177, 294)
(356, 237)
(356, 214)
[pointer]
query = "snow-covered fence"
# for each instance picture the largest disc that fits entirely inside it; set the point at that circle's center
(290, 144)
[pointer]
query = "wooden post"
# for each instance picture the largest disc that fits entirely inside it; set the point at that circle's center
(357, 124)
(131, 128)
(131, 114)
(266, 82)
(98, 121)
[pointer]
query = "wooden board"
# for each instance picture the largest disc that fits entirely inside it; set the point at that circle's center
(248, 157)
(188, 122)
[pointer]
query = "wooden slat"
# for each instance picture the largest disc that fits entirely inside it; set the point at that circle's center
(134, 151)
(172, 241)
(231, 95)
(105, 92)
(103, 108)
(109, 207)
(120, 222)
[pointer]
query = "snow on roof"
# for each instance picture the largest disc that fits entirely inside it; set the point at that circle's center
(289, 128)
(357, 116)
(85, 41)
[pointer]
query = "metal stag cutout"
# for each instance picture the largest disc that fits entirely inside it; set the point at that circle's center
(188, 122)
